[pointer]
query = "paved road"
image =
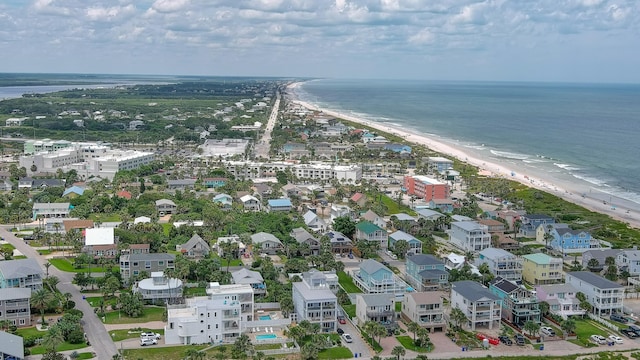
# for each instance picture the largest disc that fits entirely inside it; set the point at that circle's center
(262, 147)
(358, 345)
(97, 334)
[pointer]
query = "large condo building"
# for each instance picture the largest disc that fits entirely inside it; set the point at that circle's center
(426, 188)
(314, 301)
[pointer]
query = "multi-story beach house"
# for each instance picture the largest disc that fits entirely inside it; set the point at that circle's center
(314, 222)
(372, 233)
(415, 245)
(425, 272)
(424, 308)
(195, 248)
(530, 223)
(440, 164)
(561, 299)
(340, 243)
(469, 236)
(224, 201)
(479, 305)
(501, 263)
(379, 308)
(165, 207)
(159, 289)
(11, 346)
(605, 296)
(375, 278)
(21, 273)
(629, 260)
(566, 240)
(214, 182)
(132, 265)
(541, 269)
(302, 236)
(314, 301)
(252, 278)
(250, 203)
(600, 255)
(283, 205)
(426, 188)
(51, 210)
(374, 218)
(15, 306)
(519, 305)
(219, 317)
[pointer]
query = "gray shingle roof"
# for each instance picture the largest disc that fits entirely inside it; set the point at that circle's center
(11, 345)
(246, 276)
(595, 280)
(378, 299)
(261, 237)
(301, 235)
(472, 290)
(14, 293)
(195, 239)
(424, 259)
(432, 273)
(13, 269)
(151, 257)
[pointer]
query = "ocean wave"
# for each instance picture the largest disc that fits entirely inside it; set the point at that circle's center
(567, 167)
(509, 155)
(534, 161)
(475, 147)
(592, 180)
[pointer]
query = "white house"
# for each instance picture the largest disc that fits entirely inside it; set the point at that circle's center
(469, 236)
(250, 203)
(314, 301)
(605, 296)
(480, 306)
(314, 222)
(266, 243)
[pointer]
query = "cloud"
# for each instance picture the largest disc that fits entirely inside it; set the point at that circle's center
(109, 13)
(169, 6)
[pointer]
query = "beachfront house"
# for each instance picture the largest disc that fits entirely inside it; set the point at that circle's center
(379, 308)
(375, 278)
(530, 223)
(424, 308)
(314, 301)
(629, 260)
(605, 296)
(566, 240)
(469, 236)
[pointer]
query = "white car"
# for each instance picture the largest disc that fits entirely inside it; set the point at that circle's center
(347, 338)
(147, 341)
(545, 330)
(150, 335)
(598, 339)
(616, 339)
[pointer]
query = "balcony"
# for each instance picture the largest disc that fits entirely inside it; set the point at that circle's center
(381, 313)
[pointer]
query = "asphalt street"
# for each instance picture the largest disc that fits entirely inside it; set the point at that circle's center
(96, 333)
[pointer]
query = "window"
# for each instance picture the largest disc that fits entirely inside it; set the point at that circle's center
(147, 264)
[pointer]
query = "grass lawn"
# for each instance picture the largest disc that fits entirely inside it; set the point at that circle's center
(194, 291)
(394, 208)
(67, 266)
(234, 262)
(339, 352)
(347, 283)
(65, 346)
(398, 307)
(161, 353)
(166, 228)
(104, 217)
(152, 313)
(94, 301)
(350, 310)
(44, 252)
(85, 355)
(408, 344)
(30, 332)
(584, 329)
(259, 347)
(119, 335)
(19, 257)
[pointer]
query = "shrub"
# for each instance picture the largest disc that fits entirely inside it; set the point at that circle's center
(76, 336)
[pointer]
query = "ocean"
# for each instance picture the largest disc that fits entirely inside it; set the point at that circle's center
(585, 134)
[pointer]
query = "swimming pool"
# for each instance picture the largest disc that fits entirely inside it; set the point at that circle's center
(266, 337)
(265, 317)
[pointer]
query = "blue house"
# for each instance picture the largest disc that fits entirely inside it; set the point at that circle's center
(375, 278)
(73, 191)
(214, 182)
(279, 205)
(398, 148)
(415, 245)
(443, 205)
(531, 222)
(225, 201)
(426, 272)
(567, 240)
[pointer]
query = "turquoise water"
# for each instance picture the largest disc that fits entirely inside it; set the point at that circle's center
(265, 317)
(266, 337)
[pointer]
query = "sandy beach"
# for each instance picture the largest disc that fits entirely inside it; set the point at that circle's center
(585, 196)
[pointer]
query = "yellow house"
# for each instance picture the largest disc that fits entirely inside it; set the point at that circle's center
(541, 269)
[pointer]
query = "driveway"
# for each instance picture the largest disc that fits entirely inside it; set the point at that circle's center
(96, 333)
(358, 345)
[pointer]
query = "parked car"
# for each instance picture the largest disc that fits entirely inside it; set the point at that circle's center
(616, 339)
(350, 256)
(635, 329)
(598, 339)
(545, 330)
(519, 340)
(385, 263)
(505, 340)
(347, 338)
(618, 318)
(340, 331)
(629, 333)
(150, 335)
(342, 320)
(148, 341)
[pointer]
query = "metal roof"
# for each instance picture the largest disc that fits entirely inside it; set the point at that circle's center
(424, 259)
(472, 290)
(14, 269)
(595, 280)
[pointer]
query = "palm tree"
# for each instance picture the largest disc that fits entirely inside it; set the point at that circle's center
(531, 327)
(569, 326)
(47, 265)
(398, 351)
(458, 316)
(379, 330)
(413, 327)
(41, 299)
(53, 339)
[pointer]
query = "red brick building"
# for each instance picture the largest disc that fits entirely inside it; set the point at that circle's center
(426, 188)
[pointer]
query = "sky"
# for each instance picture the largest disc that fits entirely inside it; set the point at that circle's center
(501, 40)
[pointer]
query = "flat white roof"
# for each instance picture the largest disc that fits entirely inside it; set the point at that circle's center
(99, 236)
(428, 180)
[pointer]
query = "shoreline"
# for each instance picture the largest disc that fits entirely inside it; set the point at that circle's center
(624, 210)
